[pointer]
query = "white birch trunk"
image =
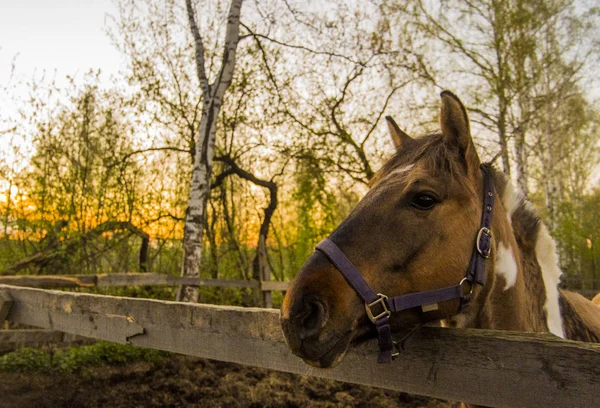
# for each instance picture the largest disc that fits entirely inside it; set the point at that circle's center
(552, 173)
(205, 142)
(521, 158)
(521, 153)
(521, 164)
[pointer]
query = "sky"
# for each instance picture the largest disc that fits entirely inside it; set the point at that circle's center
(66, 37)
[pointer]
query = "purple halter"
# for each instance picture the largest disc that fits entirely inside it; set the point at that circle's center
(386, 306)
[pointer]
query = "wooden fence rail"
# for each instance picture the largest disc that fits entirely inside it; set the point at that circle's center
(138, 279)
(500, 369)
(581, 279)
(132, 279)
(158, 279)
(12, 339)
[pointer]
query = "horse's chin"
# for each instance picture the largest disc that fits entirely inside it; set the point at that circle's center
(361, 335)
(334, 355)
(328, 361)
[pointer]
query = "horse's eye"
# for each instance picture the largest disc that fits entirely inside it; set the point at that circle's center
(424, 201)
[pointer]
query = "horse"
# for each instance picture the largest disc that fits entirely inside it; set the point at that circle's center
(415, 235)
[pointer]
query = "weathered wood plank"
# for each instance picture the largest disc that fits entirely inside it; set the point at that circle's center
(140, 279)
(136, 279)
(274, 285)
(580, 279)
(489, 368)
(12, 339)
(6, 302)
(49, 281)
(120, 279)
(30, 336)
(229, 283)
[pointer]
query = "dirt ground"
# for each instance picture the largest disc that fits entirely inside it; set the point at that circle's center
(190, 382)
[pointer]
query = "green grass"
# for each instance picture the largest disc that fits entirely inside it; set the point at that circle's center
(77, 358)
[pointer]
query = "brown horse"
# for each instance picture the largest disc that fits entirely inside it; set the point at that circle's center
(414, 231)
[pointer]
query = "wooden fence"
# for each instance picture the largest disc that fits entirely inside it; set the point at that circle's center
(16, 338)
(137, 279)
(126, 279)
(500, 369)
(132, 279)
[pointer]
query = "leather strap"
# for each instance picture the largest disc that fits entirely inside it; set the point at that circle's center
(352, 275)
(483, 246)
(403, 302)
(364, 291)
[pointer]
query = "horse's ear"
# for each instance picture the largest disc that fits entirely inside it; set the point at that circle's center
(400, 139)
(456, 130)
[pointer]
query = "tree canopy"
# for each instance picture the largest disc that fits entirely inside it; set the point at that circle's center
(91, 173)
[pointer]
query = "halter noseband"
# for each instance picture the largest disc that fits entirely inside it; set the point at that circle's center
(427, 299)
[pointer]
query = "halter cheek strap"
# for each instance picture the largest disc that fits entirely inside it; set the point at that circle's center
(379, 307)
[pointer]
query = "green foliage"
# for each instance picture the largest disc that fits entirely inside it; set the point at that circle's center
(26, 359)
(75, 359)
(318, 210)
(578, 236)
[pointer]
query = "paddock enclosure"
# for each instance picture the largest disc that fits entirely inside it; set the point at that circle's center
(500, 369)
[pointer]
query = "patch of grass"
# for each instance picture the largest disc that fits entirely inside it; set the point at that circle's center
(26, 359)
(77, 358)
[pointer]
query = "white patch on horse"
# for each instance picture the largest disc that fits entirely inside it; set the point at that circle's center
(545, 251)
(506, 265)
(400, 170)
(512, 199)
(459, 320)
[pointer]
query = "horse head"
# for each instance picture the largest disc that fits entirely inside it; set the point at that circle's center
(412, 232)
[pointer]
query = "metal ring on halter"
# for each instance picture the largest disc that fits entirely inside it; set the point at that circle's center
(463, 280)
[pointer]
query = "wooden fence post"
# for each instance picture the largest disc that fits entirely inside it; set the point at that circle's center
(6, 302)
(265, 272)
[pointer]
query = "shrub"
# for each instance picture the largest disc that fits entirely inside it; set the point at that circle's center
(75, 358)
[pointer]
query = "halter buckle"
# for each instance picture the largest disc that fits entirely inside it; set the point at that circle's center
(485, 253)
(381, 299)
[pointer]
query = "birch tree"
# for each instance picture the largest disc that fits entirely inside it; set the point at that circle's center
(212, 94)
(476, 36)
(500, 47)
(566, 118)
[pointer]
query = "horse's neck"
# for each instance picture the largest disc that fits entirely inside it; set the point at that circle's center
(532, 286)
(521, 291)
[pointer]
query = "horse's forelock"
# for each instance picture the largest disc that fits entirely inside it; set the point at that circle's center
(428, 156)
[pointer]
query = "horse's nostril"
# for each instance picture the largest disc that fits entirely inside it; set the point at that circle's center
(312, 318)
